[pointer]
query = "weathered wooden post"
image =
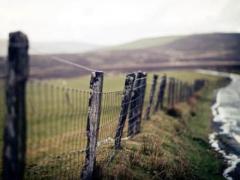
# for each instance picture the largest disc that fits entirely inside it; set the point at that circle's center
(185, 92)
(134, 105)
(169, 92)
(198, 84)
(176, 91)
(161, 92)
(93, 121)
(14, 148)
(141, 102)
(191, 89)
(152, 92)
(127, 93)
(195, 85)
(181, 91)
(163, 88)
(173, 94)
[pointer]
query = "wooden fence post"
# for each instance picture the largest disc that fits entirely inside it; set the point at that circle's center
(173, 93)
(14, 148)
(161, 92)
(124, 108)
(134, 105)
(191, 90)
(185, 92)
(177, 90)
(151, 96)
(141, 102)
(181, 91)
(169, 92)
(93, 121)
(163, 88)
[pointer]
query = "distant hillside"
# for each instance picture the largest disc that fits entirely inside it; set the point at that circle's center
(218, 46)
(216, 50)
(146, 43)
(206, 42)
(53, 47)
(213, 41)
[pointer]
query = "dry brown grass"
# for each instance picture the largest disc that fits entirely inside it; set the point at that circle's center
(166, 148)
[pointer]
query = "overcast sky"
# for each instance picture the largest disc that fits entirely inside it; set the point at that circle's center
(116, 21)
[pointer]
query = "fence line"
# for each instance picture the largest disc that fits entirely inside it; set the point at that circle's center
(69, 62)
(53, 131)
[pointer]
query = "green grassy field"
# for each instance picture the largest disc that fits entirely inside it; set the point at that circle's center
(57, 114)
(170, 147)
(146, 43)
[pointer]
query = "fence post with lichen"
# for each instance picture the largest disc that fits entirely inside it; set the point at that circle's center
(93, 121)
(127, 93)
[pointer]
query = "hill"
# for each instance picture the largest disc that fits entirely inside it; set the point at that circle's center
(146, 43)
(199, 50)
(215, 50)
(215, 46)
(63, 47)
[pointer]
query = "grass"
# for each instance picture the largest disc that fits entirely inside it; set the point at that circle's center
(146, 43)
(170, 147)
(57, 121)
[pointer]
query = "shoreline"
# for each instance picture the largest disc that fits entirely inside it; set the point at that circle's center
(223, 141)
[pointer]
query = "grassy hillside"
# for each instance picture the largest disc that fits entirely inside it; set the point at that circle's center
(207, 42)
(146, 43)
(169, 147)
(216, 50)
(197, 42)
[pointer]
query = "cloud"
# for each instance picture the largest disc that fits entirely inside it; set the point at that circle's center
(114, 21)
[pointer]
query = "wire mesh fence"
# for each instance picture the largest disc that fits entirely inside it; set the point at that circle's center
(111, 102)
(56, 119)
(63, 130)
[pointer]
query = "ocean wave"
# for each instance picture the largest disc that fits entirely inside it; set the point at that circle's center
(226, 113)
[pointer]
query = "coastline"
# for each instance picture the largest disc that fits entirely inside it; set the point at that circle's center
(222, 139)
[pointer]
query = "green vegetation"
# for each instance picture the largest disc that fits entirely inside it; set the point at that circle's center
(57, 117)
(146, 43)
(170, 147)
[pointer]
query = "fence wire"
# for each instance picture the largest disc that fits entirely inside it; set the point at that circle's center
(57, 120)
(111, 103)
(56, 136)
(58, 117)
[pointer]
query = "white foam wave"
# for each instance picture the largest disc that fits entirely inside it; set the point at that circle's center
(226, 111)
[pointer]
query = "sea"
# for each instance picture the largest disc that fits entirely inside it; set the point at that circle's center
(226, 123)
